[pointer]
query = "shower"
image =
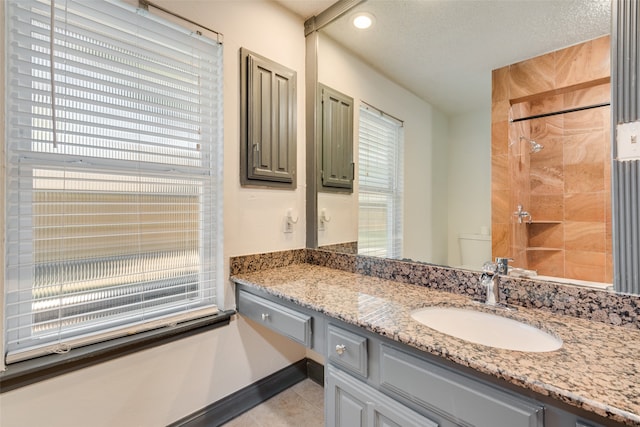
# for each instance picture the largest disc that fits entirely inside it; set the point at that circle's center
(534, 147)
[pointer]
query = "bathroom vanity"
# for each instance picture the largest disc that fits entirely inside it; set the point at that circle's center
(385, 369)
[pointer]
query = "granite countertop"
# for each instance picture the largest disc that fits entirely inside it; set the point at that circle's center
(597, 368)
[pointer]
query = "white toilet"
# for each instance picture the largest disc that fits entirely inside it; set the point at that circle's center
(475, 250)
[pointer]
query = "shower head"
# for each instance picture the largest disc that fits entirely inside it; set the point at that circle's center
(534, 147)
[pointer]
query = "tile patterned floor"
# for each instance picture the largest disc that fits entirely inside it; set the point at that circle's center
(300, 405)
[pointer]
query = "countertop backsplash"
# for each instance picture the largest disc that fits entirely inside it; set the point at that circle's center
(592, 304)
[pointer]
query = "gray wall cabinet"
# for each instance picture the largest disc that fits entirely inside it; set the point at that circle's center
(268, 122)
(371, 380)
(336, 115)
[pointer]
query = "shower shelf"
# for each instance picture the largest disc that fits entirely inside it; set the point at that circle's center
(538, 248)
(545, 222)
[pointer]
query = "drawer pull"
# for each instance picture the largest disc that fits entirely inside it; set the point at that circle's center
(265, 316)
(340, 349)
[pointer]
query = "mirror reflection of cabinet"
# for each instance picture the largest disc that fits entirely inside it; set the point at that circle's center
(337, 167)
(268, 128)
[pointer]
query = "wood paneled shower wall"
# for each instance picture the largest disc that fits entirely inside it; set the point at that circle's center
(566, 187)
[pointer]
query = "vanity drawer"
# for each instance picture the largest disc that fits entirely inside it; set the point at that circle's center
(281, 319)
(456, 396)
(347, 350)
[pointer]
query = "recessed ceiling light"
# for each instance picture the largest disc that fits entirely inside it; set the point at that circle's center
(363, 21)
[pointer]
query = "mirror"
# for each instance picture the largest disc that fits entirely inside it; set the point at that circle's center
(429, 63)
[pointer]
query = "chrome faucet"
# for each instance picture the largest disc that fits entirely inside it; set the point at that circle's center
(502, 264)
(489, 280)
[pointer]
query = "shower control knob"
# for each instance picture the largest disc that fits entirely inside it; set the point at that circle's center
(340, 349)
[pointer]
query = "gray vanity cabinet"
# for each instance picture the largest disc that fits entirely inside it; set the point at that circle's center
(374, 381)
(351, 403)
(367, 375)
(457, 397)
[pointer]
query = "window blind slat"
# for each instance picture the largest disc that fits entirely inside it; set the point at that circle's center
(380, 185)
(113, 192)
(167, 97)
(168, 36)
(111, 95)
(93, 133)
(113, 63)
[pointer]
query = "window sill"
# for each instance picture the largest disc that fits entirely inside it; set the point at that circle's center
(42, 368)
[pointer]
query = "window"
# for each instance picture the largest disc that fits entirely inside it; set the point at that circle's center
(380, 189)
(114, 166)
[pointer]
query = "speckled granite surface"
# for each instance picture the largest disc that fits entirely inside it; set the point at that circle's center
(592, 304)
(597, 369)
(345, 248)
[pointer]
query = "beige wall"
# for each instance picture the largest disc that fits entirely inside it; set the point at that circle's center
(469, 178)
(158, 386)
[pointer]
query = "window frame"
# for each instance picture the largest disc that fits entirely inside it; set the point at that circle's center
(47, 366)
(32, 371)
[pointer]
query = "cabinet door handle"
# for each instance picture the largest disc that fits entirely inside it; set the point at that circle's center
(265, 316)
(340, 349)
(256, 155)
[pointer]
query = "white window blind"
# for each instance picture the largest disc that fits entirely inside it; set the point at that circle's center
(380, 184)
(114, 166)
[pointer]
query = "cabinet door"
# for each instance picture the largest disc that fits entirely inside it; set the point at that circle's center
(346, 404)
(351, 403)
(456, 396)
(337, 140)
(389, 413)
(268, 155)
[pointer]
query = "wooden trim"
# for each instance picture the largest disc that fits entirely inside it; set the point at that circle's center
(315, 372)
(241, 401)
(329, 15)
(42, 368)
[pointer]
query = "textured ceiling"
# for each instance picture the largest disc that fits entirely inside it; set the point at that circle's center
(306, 8)
(444, 50)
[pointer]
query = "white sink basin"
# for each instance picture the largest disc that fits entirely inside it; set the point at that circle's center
(487, 329)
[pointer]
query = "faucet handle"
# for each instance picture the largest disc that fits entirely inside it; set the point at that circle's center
(489, 268)
(502, 264)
